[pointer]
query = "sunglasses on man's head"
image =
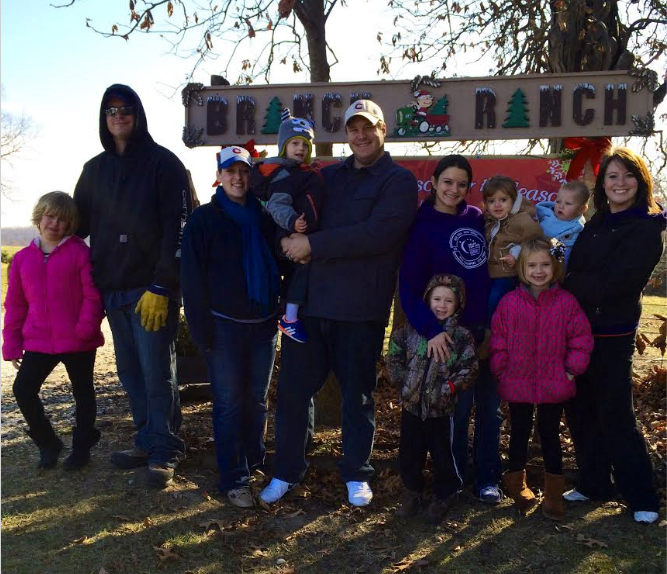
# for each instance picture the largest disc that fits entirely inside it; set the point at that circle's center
(123, 111)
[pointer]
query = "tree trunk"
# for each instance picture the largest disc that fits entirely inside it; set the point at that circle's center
(311, 15)
(585, 36)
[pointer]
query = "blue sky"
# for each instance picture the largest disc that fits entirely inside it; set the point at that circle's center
(55, 70)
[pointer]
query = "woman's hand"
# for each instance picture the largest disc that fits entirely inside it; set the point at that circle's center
(16, 363)
(438, 347)
(570, 377)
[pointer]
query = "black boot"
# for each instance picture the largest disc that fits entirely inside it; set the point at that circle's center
(49, 447)
(82, 442)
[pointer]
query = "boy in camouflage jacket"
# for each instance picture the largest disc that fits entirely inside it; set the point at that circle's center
(428, 395)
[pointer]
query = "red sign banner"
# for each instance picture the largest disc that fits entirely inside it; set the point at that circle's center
(537, 178)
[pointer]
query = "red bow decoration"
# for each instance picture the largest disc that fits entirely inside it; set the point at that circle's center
(250, 147)
(588, 149)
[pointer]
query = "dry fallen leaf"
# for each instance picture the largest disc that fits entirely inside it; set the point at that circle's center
(206, 496)
(213, 522)
(80, 540)
(148, 522)
(102, 571)
(166, 553)
(294, 514)
(121, 517)
(590, 542)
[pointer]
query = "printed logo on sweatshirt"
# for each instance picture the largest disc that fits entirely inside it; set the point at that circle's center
(468, 247)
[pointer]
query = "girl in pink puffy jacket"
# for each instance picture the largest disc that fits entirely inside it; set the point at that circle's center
(540, 340)
(53, 313)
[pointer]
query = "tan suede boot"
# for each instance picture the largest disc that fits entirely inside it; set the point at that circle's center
(515, 486)
(552, 504)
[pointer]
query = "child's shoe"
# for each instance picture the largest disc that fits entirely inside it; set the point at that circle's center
(50, 447)
(359, 493)
(436, 510)
(516, 488)
(645, 517)
(410, 504)
(490, 494)
(552, 504)
(82, 442)
(293, 330)
(574, 496)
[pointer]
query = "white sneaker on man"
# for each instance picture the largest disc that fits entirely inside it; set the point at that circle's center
(646, 517)
(574, 496)
(359, 493)
(275, 490)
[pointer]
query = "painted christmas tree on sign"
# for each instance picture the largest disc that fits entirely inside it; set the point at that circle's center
(517, 111)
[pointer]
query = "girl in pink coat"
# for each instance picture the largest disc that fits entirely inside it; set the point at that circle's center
(53, 313)
(540, 340)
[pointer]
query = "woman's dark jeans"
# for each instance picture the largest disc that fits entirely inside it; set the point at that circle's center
(240, 364)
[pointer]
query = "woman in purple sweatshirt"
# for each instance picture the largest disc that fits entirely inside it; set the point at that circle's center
(447, 236)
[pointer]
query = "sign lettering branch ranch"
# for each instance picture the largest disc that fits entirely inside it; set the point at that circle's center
(493, 108)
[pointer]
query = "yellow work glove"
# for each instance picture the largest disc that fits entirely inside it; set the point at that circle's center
(153, 311)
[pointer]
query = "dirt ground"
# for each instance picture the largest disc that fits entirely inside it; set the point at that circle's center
(103, 520)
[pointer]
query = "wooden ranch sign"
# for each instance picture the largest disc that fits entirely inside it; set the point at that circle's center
(501, 108)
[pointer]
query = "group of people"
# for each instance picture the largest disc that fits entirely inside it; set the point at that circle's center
(498, 307)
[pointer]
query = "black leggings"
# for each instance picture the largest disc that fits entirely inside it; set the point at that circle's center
(548, 422)
(35, 367)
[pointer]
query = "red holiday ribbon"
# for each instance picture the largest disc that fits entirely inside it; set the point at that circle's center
(250, 147)
(588, 149)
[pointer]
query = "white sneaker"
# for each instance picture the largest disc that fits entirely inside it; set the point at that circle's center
(275, 490)
(574, 496)
(359, 493)
(646, 517)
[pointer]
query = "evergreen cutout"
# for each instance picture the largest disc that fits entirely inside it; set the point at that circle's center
(440, 107)
(517, 111)
(272, 119)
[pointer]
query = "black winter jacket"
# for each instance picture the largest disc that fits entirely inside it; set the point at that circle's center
(134, 207)
(290, 189)
(355, 255)
(610, 264)
(212, 272)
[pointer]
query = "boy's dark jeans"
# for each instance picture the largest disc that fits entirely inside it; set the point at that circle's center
(434, 436)
(351, 350)
(604, 429)
(35, 368)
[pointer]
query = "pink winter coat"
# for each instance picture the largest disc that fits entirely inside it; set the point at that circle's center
(534, 343)
(52, 307)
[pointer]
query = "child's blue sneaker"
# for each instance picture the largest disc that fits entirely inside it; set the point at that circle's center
(490, 494)
(294, 330)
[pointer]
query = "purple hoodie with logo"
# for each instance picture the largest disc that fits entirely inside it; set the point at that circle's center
(444, 243)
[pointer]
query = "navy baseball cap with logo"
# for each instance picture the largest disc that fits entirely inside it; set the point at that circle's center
(367, 109)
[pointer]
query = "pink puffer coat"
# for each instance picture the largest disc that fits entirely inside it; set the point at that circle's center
(52, 307)
(534, 343)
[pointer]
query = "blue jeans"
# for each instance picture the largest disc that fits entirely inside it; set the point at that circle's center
(146, 364)
(486, 444)
(351, 351)
(240, 364)
(499, 288)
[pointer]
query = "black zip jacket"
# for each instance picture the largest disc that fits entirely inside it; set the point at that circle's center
(212, 272)
(134, 207)
(610, 264)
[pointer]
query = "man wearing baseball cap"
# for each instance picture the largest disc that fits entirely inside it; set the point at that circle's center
(134, 198)
(369, 204)
(230, 290)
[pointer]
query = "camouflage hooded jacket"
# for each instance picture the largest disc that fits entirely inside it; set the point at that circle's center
(425, 390)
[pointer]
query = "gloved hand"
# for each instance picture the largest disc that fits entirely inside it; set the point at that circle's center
(153, 310)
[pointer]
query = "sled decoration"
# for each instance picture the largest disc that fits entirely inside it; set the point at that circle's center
(589, 105)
